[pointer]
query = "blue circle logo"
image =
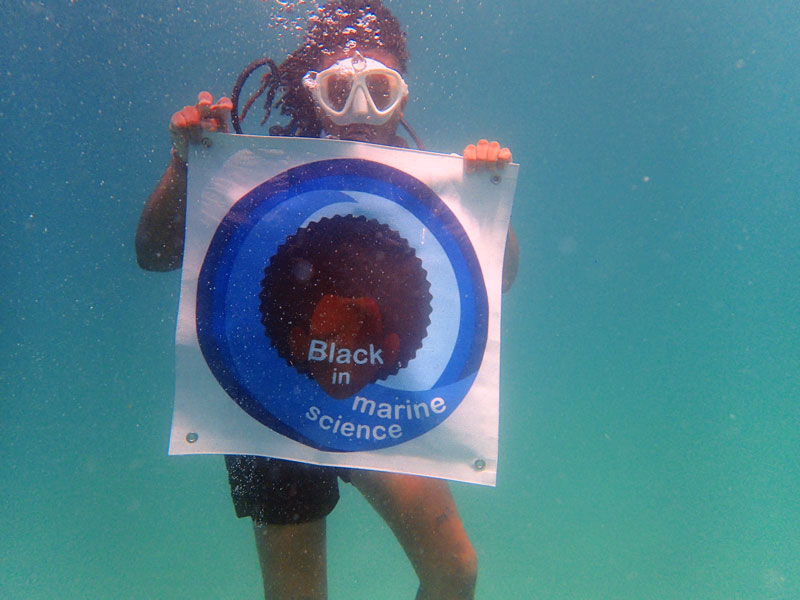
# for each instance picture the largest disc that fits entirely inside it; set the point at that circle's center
(341, 304)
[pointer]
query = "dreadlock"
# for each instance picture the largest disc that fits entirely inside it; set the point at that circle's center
(338, 25)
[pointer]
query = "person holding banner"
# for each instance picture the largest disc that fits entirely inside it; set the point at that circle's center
(345, 82)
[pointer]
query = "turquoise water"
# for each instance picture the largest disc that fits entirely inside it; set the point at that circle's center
(650, 419)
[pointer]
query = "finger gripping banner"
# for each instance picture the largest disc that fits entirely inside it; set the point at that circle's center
(336, 307)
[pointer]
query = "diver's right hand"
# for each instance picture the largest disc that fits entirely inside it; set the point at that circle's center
(187, 125)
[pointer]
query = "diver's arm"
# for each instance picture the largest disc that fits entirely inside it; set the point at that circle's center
(159, 238)
(510, 259)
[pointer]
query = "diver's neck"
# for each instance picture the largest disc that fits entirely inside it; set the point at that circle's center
(365, 134)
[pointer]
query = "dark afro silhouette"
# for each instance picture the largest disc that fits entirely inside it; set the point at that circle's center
(349, 257)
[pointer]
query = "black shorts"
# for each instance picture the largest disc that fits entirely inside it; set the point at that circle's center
(281, 492)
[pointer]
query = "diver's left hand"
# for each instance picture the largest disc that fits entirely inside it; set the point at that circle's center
(486, 155)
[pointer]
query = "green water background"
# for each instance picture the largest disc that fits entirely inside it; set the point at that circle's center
(650, 388)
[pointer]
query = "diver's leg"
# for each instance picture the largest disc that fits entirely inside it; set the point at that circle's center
(288, 502)
(293, 562)
(423, 516)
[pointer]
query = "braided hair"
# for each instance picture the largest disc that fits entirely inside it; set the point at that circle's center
(338, 25)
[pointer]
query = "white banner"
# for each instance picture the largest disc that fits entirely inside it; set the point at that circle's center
(340, 305)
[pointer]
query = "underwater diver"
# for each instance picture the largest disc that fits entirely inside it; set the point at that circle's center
(344, 82)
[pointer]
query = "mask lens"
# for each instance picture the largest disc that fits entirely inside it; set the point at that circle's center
(381, 89)
(337, 90)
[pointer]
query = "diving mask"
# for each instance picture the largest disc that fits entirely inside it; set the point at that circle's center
(357, 90)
